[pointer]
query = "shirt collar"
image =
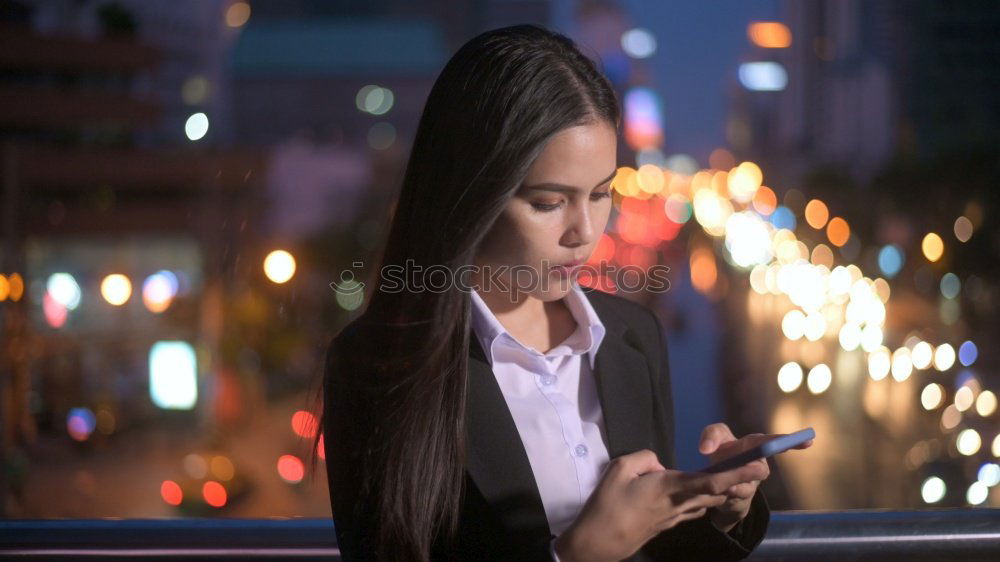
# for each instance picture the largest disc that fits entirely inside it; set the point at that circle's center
(488, 329)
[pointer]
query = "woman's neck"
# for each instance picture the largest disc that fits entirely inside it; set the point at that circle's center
(535, 323)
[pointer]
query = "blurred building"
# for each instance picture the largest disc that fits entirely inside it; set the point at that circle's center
(120, 228)
(829, 97)
(863, 82)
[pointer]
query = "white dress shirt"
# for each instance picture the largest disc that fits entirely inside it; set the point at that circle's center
(554, 402)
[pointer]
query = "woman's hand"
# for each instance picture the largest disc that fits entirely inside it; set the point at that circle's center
(719, 443)
(637, 499)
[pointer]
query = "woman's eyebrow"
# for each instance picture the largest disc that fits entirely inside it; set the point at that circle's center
(551, 186)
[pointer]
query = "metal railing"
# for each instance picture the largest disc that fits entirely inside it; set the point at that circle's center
(942, 534)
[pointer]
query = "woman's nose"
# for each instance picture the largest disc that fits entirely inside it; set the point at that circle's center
(581, 230)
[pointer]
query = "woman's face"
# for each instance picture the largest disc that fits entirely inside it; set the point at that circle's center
(557, 215)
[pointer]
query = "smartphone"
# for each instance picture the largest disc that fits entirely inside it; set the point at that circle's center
(764, 450)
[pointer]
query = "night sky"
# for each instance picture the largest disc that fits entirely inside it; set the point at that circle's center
(698, 50)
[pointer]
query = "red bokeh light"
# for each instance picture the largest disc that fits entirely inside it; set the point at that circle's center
(291, 469)
(304, 424)
(214, 493)
(171, 492)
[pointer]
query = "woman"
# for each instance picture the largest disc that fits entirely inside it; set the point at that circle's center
(469, 414)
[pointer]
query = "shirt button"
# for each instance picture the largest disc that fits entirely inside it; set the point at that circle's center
(580, 450)
(548, 380)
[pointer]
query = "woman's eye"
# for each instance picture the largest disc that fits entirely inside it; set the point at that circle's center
(544, 207)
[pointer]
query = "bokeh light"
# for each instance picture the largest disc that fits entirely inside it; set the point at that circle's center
(789, 377)
(116, 289)
(304, 424)
(933, 490)
(171, 492)
(977, 493)
(968, 442)
(819, 379)
(214, 493)
(890, 260)
(967, 353)
(291, 469)
(932, 246)
(279, 266)
(237, 14)
(769, 34)
(80, 423)
(986, 403)
(638, 43)
(64, 290)
(932, 396)
(963, 229)
(944, 357)
(196, 126)
(173, 375)
(817, 214)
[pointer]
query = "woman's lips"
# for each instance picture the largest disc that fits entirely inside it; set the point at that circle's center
(566, 269)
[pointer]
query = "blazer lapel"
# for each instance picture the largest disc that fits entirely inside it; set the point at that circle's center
(623, 384)
(495, 455)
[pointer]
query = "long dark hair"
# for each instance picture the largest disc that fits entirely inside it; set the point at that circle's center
(492, 109)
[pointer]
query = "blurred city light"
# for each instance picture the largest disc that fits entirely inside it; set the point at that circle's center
(932, 246)
(116, 289)
(639, 43)
(158, 291)
(173, 375)
(279, 266)
(80, 423)
(237, 14)
(196, 126)
(763, 76)
(769, 34)
(64, 289)
(291, 469)
(374, 99)
(643, 120)
(933, 490)
(214, 493)
(171, 492)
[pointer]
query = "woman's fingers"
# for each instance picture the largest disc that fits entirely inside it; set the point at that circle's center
(701, 500)
(714, 435)
(682, 517)
(719, 482)
(636, 464)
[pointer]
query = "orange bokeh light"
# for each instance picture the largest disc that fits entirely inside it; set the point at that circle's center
(765, 201)
(817, 214)
(838, 231)
(770, 34)
(704, 272)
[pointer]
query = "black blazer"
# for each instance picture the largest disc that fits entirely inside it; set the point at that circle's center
(502, 517)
